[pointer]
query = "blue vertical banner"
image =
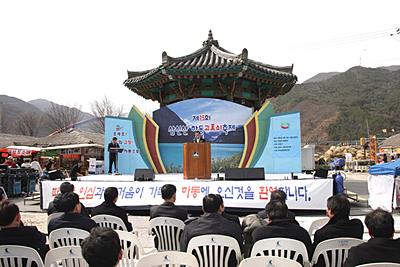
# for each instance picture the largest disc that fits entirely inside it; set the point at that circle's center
(282, 154)
(129, 159)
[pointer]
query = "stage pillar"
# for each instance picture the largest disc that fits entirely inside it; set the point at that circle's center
(197, 160)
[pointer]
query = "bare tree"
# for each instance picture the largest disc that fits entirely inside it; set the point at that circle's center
(61, 116)
(29, 124)
(103, 108)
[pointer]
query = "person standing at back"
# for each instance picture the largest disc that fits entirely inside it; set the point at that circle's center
(113, 155)
(110, 208)
(168, 208)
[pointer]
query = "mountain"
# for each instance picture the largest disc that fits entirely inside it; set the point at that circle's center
(44, 105)
(347, 105)
(20, 117)
(321, 77)
(391, 68)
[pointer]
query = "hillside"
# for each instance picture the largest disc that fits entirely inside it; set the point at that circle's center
(340, 107)
(321, 77)
(44, 105)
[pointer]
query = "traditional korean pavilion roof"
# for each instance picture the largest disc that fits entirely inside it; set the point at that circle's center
(214, 72)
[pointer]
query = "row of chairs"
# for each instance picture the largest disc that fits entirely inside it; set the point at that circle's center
(72, 256)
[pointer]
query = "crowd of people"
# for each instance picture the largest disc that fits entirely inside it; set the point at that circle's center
(102, 247)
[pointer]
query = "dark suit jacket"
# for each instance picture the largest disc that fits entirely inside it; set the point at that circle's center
(338, 227)
(375, 250)
(112, 209)
(168, 209)
(212, 223)
(285, 228)
(201, 140)
(72, 220)
(53, 206)
(28, 236)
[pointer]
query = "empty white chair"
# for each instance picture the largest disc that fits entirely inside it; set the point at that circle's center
(167, 231)
(110, 221)
(282, 247)
(69, 256)
(19, 256)
(380, 264)
(270, 261)
(316, 225)
(66, 237)
(334, 251)
(131, 246)
(170, 258)
(214, 250)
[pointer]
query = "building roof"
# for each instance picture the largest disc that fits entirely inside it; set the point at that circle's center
(70, 137)
(13, 139)
(209, 62)
(392, 141)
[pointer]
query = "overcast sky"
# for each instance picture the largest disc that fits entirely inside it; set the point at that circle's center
(74, 52)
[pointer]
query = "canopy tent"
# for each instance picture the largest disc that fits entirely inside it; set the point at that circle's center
(390, 168)
(383, 187)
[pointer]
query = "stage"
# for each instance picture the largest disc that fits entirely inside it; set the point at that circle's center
(304, 193)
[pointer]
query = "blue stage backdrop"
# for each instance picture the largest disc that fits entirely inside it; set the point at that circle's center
(282, 153)
(130, 159)
(219, 121)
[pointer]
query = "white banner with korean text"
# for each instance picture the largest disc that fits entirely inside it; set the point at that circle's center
(307, 194)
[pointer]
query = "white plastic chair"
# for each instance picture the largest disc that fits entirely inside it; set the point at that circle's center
(167, 231)
(19, 256)
(214, 249)
(170, 258)
(131, 246)
(316, 225)
(69, 256)
(113, 222)
(380, 264)
(270, 261)
(281, 247)
(334, 251)
(66, 237)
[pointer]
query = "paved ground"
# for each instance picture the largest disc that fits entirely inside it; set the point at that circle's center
(356, 182)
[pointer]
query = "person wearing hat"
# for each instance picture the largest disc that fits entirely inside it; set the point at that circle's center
(10, 162)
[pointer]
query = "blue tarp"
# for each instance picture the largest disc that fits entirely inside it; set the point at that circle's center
(390, 168)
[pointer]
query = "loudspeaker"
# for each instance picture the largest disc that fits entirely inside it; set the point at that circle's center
(321, 173)
(144, 175)
(243, 174)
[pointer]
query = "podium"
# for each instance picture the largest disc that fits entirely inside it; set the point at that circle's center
(197, 160)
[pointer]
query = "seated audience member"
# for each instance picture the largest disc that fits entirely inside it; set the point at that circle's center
(168, 208)
(381, 247)
(277, 195)
(26, 164)
(212, 222)
(339, 224)
(102, 248)
(2, 196)
(279, 225)
(10, 162)
(72, 217)
(108, 207)
(13, 233)
(65, 187)
(226, 215)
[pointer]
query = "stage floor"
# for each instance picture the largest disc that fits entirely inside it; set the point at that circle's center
(304, 193)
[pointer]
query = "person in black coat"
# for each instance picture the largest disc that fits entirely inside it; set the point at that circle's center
(277, 195)
(279, 225)
(13, 233)
(212, 222)
(198, 138)
(381, 247)
(112, 155)
(65, 187)
(339, 224)
(70, 205)
(168, 208)
(110, 208)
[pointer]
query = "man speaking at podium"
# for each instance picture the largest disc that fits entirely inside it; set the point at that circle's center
(198, 138)
(113, 154)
